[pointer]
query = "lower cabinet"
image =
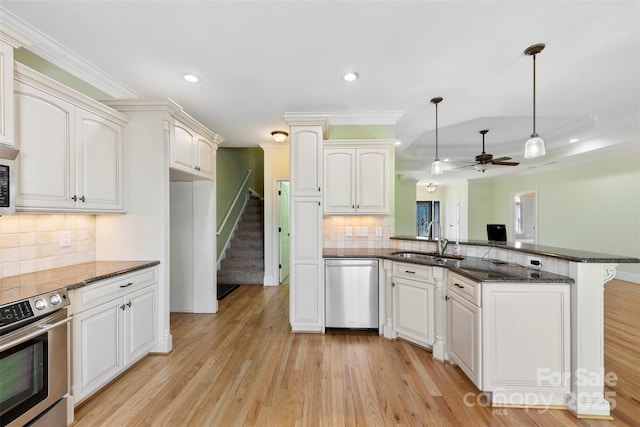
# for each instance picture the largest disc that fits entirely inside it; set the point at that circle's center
(114, 325)
(413, 304)
(465, 336)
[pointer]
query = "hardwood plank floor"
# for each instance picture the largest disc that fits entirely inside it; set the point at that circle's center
(243, 367)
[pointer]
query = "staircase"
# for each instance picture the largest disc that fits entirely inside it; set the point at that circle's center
(244, 260)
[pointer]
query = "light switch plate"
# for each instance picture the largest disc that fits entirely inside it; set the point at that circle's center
(378, 231)
(362, 231)
(348, 232)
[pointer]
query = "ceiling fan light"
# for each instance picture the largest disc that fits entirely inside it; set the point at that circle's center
(534, 147)
(431, 187)
(437, 168)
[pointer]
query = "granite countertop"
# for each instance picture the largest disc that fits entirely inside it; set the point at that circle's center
(573, 255)
(15, 288)
(480, 269)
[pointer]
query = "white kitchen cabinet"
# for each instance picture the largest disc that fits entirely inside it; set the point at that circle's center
(80, 167)
(191, 153)
(306, 160)
(306, 281)
(356, 180)
(413, 303)
(114, 325)
(526, 342)
(6, 92)
(306, 272)
(465, 326)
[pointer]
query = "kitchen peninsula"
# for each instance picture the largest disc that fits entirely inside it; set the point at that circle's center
(583, 272)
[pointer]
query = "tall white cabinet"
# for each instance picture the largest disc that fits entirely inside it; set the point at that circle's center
(170, 218)
(306, 279)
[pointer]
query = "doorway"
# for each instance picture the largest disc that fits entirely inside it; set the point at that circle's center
(283, 230)
(524, 216)
(427, 211)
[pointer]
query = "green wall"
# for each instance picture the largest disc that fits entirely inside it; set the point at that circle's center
(45, 67)
(593, 207)
(405, 206)
(231, 167)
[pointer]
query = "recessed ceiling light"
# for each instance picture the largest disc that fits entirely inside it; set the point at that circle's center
(350, 77)
(191, 78)
(574, 140)
(398, 142)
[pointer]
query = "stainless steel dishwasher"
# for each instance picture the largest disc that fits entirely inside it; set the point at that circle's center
(351, 294)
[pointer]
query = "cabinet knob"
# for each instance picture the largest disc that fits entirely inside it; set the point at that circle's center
(122, 307)
(446, 298)
(82, 199)
(129, 304)
(74, 198)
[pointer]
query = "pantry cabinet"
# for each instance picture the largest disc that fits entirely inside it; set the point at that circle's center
(191, 153)
(306, 160)
(80, 167)
(6, 92)
(114, 325)
(357, 179)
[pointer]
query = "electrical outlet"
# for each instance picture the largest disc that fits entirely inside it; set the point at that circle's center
(348, 232)
(535, 261)
(65, 239)
(378, 231)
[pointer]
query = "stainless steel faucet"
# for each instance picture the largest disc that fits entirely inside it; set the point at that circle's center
(441, 244)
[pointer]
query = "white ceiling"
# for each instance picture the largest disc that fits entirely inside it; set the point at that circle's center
(260, 59)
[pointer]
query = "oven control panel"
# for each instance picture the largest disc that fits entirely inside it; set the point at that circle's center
(33, 307)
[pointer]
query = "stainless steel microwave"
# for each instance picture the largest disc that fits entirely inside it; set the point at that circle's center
(7, 180)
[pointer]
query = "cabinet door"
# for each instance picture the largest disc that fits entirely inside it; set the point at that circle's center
(140, 323)
(306, 282)
(183, 155)
(46, 171)
(6, 94)
(339, 175)
(306, 160)
(464, 336)
(372, 180)
(205, 151)
(98, 162)
(413, 311)
(97, 348)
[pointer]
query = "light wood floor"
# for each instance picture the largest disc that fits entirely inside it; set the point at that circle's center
(242, 367)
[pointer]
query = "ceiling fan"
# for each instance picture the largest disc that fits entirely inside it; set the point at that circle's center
(484, 159)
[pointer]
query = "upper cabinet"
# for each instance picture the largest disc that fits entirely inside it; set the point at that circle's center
(9, 40)
(357, 177)
(306, 163)
(192, 154)
(70, 148)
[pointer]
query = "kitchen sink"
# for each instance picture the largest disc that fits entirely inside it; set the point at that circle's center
(428, 256)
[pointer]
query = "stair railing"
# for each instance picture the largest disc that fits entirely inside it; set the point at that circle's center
(242, 190)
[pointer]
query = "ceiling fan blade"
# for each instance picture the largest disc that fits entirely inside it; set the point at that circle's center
(465, 166)
(505, 163)
(501, 159)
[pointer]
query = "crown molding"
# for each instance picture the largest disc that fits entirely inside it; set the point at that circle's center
(54, 52)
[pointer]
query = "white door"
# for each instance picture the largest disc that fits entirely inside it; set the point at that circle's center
(453, 218)
(283, 228)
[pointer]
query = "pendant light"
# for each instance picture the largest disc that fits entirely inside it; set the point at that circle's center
(534, 147)
(436, 166)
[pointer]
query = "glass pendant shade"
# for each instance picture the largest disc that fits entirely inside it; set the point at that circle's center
(437, 168)
(534, 147)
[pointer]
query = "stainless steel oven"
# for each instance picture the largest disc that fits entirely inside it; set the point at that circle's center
(34, 382)
(7, 180)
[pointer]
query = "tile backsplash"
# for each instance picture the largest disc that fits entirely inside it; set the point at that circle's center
(335, 230)
(30, 243)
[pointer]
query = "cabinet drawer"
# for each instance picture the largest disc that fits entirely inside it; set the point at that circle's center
(413, 271)
(466, 288)
(108, 289)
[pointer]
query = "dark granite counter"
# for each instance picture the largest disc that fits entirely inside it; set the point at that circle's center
(480, 269)
(15, 288)
(573, 255)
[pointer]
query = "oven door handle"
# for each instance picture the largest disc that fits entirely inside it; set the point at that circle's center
(42, 329)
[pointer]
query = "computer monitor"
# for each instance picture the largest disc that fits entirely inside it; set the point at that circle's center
(497, 233)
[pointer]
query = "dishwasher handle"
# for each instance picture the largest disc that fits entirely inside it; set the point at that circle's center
(351, 262)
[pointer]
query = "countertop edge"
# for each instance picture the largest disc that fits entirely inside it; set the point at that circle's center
(105, 276)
